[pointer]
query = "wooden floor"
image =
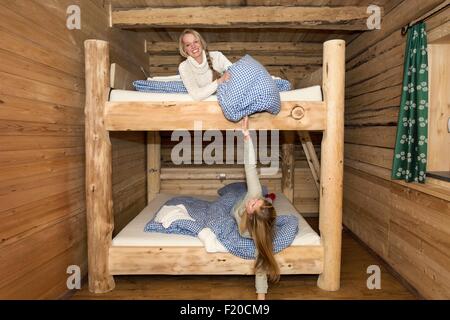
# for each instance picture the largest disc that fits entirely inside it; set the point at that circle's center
(355, 260)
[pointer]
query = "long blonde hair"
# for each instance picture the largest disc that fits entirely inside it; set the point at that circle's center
(197, 35)
(261, 226)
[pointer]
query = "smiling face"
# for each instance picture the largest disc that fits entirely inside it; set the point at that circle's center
(192, 46)
(253, 205)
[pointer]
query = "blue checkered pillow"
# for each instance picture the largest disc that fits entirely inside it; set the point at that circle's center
(157, 86)
(160, 86)
(238, 187)
(250, 89)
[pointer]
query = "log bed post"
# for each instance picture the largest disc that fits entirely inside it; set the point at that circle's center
(153, 164)
(100, 219)
(331, 171)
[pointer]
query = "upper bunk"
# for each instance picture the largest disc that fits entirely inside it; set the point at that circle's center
(165, 115)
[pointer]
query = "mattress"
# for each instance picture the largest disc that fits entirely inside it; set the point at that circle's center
(313, 93)
(133, 234)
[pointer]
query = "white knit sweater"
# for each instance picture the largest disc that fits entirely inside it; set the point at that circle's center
(197, 78)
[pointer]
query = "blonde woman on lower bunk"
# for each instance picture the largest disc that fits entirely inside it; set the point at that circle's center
(203, 70)
(255, 217)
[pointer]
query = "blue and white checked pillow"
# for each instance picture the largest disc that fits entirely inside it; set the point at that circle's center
(282, 85)
(176, 86)
(250, 89)
(160, 86)
(238, 187)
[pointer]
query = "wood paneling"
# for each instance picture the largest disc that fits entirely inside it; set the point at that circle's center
(287, 65)
(42, 211)
(279, 48)
(439, 107)
(393, 21)
(408, 228)
(129, 176)
(365, 136)
(266, 60)
(381, 157)
(406, 224)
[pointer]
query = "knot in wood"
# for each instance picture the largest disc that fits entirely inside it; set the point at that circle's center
(298, 112)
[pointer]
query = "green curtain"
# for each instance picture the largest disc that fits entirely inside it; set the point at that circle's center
(410, 156)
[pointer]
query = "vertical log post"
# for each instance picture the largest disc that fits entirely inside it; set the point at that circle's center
(288, 165)
(153, 164)
(331, 170)
(100, 219)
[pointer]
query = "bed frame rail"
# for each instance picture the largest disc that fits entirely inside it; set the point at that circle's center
(159, 116)
(194, 260)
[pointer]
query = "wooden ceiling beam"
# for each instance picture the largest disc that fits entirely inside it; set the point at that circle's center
(282, 48)
(326, 18)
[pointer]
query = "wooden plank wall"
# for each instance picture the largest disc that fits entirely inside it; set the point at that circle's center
(42, 202)
(410, 229)
(439, 104)
(292, 68)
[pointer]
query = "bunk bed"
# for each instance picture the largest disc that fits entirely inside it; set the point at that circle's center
(127, 253)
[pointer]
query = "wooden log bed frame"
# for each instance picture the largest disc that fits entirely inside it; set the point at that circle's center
(102, 116)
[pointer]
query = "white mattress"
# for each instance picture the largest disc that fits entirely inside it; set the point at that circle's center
(133, 234)
(306, 94)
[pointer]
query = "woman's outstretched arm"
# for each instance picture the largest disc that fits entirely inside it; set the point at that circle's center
(253, 184)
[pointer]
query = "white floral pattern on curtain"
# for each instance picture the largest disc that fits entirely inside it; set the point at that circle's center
(410, 156)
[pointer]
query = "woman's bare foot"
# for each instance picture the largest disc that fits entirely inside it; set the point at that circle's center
(261, 296)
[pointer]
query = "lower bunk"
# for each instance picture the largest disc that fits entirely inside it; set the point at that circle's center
(134, 251)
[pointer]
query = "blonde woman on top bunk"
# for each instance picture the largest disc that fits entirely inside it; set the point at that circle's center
(202, 71)
(255, 217)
